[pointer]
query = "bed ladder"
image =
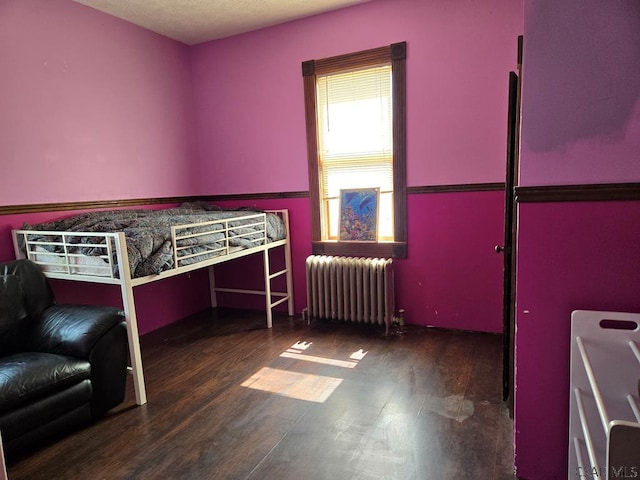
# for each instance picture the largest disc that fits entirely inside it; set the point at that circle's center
(268, 277)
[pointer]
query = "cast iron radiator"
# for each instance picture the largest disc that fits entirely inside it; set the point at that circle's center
(350, 289)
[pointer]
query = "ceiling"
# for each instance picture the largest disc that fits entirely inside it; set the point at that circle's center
(197, 21)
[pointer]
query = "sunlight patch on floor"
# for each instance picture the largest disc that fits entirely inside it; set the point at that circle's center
(302, 386)
(295, 352)
(301, 345)
(321, 360)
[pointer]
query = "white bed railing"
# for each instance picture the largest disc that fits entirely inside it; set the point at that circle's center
(225, 232)
(64, 254)
(60, 254)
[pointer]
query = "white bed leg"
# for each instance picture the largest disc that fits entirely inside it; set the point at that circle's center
(134, 345)
(212, 288)
(128, 304)
(267, 288)
(287, 264)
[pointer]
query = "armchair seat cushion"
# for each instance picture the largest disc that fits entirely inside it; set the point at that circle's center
(29, 376)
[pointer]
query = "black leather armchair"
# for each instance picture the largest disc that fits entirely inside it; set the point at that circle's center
(61, 366)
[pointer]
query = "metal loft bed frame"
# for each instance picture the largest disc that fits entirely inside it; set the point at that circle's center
(59, 258)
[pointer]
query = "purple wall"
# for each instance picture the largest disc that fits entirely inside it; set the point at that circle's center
(459, 55)
(93, 108)
(581, 93)
(449, 281)
(580, 125)
(572, 256)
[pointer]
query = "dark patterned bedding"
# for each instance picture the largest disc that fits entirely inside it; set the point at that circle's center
(148, 233)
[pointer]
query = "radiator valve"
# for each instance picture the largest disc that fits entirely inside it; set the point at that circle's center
(399, 322)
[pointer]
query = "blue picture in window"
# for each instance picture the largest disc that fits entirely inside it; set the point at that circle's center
(359, 214)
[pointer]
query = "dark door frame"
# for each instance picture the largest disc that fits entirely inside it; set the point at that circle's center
(510, 231)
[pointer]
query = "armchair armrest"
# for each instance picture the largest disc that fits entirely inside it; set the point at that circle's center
(72, 330)
(94, 333)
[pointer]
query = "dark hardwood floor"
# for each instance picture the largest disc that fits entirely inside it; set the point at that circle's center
(230, 399)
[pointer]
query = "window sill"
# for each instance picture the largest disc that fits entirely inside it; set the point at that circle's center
(361, 249)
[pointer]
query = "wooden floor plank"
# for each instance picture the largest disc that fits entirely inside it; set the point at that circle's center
(230, 399)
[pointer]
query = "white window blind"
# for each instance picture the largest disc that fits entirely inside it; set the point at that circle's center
(355, 142)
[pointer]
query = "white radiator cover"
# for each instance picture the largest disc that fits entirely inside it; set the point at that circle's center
(351, 289)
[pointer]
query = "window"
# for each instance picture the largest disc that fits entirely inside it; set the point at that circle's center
(354, 126)
(355, 115)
